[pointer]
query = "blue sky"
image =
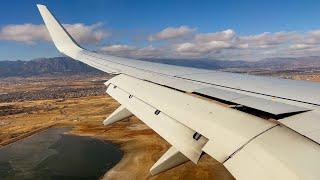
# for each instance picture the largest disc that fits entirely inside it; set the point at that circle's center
(249, 30)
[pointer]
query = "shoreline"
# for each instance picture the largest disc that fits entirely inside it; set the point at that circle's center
(23, 136)
(141, 146)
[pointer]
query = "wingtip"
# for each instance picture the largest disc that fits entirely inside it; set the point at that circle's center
(41, 6)
(62, 40)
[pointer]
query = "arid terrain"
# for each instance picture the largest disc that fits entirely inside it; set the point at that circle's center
(30, 105)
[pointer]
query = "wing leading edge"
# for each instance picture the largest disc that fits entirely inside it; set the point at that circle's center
(245, 84)
(160, 96)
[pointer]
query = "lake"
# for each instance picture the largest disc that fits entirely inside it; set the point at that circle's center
(52, 154)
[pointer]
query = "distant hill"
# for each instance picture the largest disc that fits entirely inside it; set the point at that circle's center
(57, 65)
(66, 65)
(289, 63)
(203, 63)
(270, 63)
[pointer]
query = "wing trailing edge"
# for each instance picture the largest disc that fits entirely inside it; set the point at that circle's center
(246, 144)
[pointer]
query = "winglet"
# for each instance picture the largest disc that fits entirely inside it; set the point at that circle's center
(61, 38)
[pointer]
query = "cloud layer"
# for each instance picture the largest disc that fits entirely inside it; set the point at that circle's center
(171, 33)
(181, 42)
(226, 44)
(31, 33)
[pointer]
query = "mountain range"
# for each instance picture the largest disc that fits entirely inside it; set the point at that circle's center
(56, 65)
(66, 65)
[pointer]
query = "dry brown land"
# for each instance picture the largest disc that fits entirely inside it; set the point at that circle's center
(142, 147)
(29, 105)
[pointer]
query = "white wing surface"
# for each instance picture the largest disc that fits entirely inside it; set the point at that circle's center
(258, 127)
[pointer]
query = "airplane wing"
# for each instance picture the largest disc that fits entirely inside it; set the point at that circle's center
(258, 127)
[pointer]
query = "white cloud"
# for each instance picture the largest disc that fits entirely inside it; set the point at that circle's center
(31, 33)
(184, 47)
(171, 33)
(131, 51)
(243, 46)
(266, 39)
(227, 44)
(27, 33)
(300, 46)
(207, 47)
(311, 37)
(87, 33)
(203, 44)
(226, 35)
(150, 52)
(117, 48)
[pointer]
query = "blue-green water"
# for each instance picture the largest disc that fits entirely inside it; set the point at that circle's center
(52, 154)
